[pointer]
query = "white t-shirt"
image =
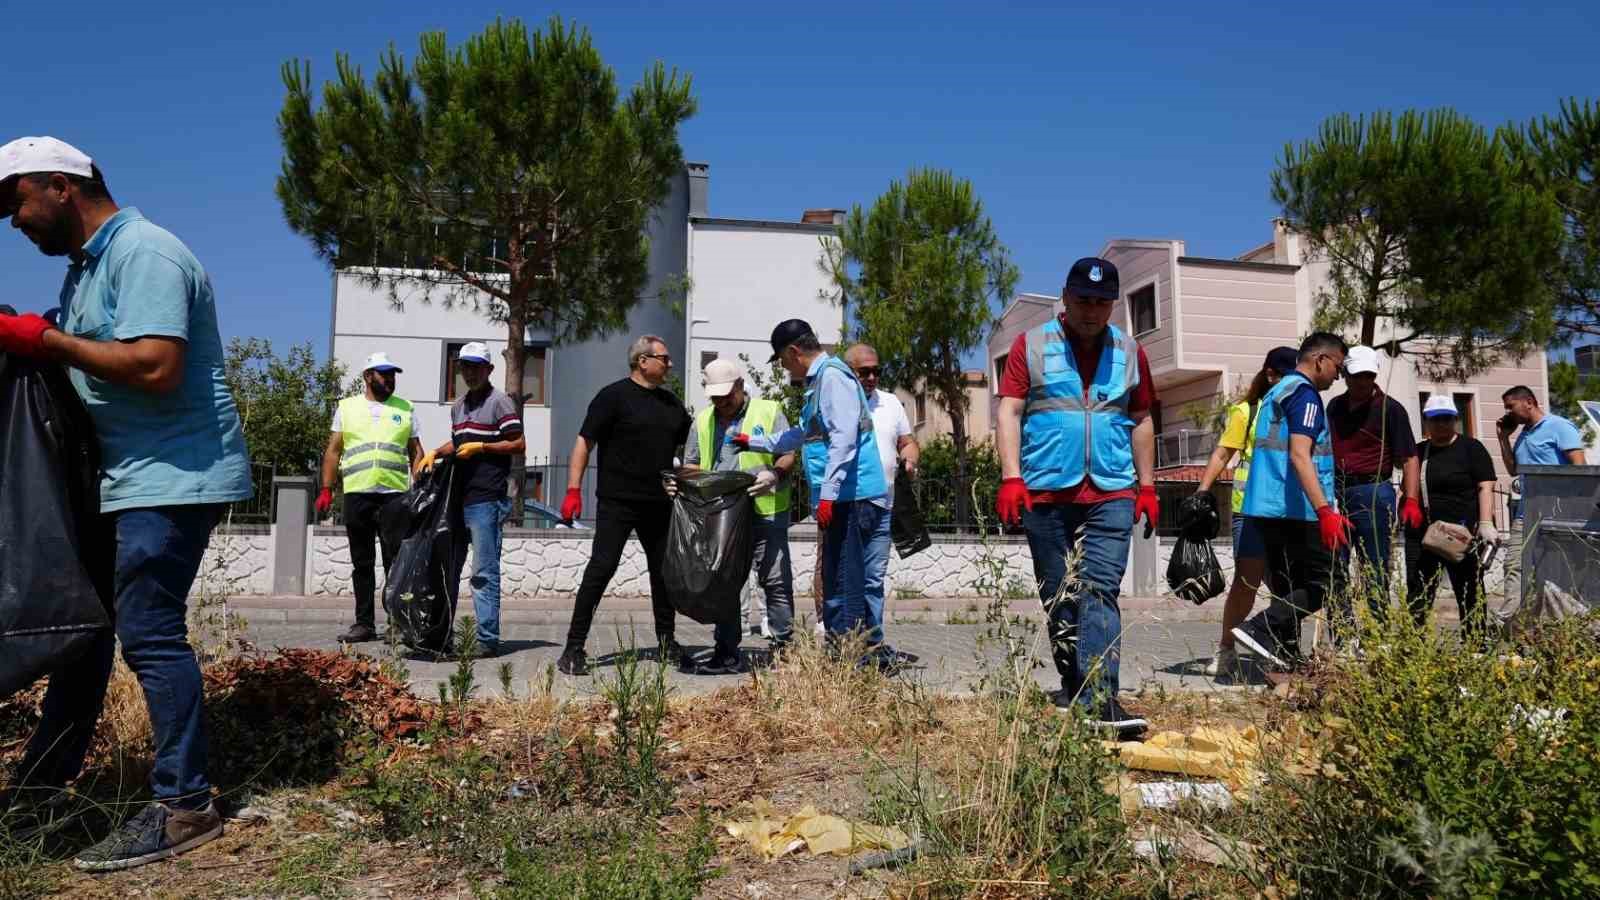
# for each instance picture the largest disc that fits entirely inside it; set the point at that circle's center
(889, 424)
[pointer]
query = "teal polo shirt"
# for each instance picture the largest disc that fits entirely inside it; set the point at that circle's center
(136, 280)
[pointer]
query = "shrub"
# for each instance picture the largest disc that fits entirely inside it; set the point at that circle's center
(611, 860)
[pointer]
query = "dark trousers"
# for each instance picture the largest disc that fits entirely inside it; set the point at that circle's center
(615, 520)
(361, 527)
(1423, 568)
(1299, 568)
(158, 553)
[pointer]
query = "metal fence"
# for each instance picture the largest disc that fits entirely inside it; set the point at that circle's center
(257, 510)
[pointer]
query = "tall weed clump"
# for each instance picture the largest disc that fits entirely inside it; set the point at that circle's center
(1452, 765)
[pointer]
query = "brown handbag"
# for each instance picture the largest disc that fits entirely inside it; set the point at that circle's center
(1444, 539)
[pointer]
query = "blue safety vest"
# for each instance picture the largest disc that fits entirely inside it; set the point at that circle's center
(865, 479)
(1273, 491)
(1068, 432)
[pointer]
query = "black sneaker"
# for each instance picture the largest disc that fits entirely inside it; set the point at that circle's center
(157, 832)
(1258, 639)
(1113, 717)
(30, 812)
(573, 662)
(669, 652)
(359, 634)
(717, 664)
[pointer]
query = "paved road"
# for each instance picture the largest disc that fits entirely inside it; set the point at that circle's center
(945, 657)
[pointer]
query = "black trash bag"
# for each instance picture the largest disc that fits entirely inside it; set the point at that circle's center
(1198, 516)
(1193, 573)
(710, 544)
(425, 577)
(907, 528)
(55, 562)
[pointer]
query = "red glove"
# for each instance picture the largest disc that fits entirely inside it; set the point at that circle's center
(1335, 527)
(1011, 500)
(324, 501)
(1411, 513)
(1149, 506)
(23, 335)
(572, 506)
(740, 440)
(824, 514)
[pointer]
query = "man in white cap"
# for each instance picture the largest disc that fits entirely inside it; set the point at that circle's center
(1372, 438)
(372, 446)
(485, 432)
(710, 445)
(138, 335)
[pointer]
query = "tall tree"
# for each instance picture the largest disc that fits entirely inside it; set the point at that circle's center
(505, 174)
(1561, 154)
(921, 271)
(285, 405)
(1425, 227)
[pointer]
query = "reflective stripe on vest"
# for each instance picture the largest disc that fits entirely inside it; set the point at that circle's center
(375, 453)
(1273, 491)
(863, 481)
(758, 415)
(1069, 432)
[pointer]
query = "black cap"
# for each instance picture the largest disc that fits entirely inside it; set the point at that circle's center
(1282, 360)
(787, 332)
(1093, 277)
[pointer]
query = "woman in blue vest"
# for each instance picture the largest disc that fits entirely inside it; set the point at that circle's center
(1286, 501)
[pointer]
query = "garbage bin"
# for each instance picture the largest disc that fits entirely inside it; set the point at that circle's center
(1561, 530)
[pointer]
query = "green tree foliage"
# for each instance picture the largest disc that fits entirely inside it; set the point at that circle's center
(1567, 387)
(1561, 154)
(286, 403)
(940, 482)
(922, 271)
(505, 173)
(1426, 227)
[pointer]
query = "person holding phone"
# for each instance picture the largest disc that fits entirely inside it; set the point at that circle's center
(1545, 440)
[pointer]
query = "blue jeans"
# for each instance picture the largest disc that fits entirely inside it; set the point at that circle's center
(855, 562)
(1085, 621)
(158, 553)
(1371, 511)
(776, 578)
(1236, 523)
(483, 524)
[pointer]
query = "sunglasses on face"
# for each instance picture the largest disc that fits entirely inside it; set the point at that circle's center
(867, 372)
(664, 357)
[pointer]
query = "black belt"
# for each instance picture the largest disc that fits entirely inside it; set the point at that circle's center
(1344, 481)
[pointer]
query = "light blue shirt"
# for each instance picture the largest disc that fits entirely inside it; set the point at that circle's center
(136, 280)
(1546, 443)
(839, 402)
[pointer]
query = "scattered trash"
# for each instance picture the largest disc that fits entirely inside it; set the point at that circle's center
(1546, 724)
(1226, 753)
(885, 860)
(1188, 842)
(1168, 794)
(773, 837)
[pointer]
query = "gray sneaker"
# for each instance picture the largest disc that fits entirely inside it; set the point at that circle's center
(157, 832)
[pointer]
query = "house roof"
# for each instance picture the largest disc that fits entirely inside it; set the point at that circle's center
(768, 224)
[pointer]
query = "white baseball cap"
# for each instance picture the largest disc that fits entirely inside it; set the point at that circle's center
(380, 361)
(720, 375)
(477, 352)
(33, 155)
(1439, 405)
(1361, 360)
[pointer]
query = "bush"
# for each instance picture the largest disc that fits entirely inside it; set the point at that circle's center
(611, 860)
(1453, 768)
(938, 485)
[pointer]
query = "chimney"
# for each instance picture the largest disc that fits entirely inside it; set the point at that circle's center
(822, 217)
(699, 188)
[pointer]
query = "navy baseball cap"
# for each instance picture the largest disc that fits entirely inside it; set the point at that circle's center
(787, 332)
(1282, 360)
(1093, 277)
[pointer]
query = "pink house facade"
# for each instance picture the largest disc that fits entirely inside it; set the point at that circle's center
(1206, 324)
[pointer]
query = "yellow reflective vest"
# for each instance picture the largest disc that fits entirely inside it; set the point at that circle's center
(375, 457)
(759, 416)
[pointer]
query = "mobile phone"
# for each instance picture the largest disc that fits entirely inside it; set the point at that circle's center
(1508, 422)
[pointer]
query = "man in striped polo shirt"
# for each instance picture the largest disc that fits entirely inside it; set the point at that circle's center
(485, 432)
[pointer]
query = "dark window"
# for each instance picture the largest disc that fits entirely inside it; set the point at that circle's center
(922, 409)
(533, 370)
(453, 385)
(1143, 305)
(707, 357)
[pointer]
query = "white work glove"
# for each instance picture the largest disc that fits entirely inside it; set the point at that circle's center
(766, 480)
(669, 483)
(1488, 534)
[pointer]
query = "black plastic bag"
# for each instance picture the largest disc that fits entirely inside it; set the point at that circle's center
(710, 544)
(55, 561)
(1194, 573)
(907, 528)
(425, 577)
(1198, 516)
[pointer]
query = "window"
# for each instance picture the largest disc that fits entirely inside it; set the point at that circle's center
(1000, 367)
(922, 409)
(533, 370)
(1142, 307)
(453, 385)
(1466, 412)
(707, 357)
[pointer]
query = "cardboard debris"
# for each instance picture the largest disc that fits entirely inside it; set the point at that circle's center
(1227, 753)
(773, 837)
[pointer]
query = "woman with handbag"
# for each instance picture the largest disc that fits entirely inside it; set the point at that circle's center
(1458, 502)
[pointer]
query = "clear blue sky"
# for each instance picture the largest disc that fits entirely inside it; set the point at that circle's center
(1075, 126)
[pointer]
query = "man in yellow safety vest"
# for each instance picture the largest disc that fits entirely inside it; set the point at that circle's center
(732, 412)
(373, 447)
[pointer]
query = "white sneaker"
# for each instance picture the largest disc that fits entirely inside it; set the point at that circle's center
(766, 627)
(1226, 662)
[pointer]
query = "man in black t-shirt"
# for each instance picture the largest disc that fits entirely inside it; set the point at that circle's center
(639, 426)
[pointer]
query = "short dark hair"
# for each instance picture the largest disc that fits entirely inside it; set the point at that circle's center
(1520, 392)
(806, 343)
(93, 187)
(1322, 342)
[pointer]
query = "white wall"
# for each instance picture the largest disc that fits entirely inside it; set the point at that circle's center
(746, 279)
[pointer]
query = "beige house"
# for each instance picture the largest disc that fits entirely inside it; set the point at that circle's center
(1206, 325)
(930, 420)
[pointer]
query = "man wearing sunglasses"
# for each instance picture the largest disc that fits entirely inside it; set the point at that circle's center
(1077, 460)
(1287, 501)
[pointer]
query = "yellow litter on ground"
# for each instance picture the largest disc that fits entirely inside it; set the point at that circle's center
(818, 833)
(1228, 754)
